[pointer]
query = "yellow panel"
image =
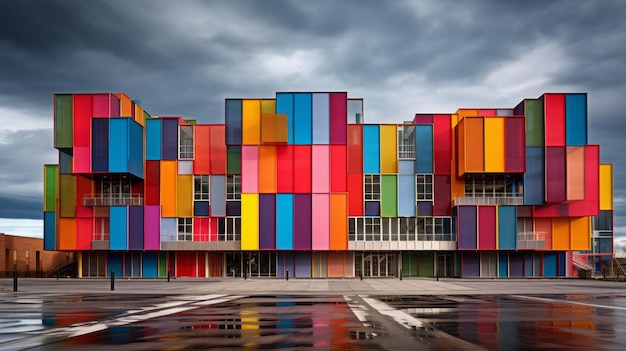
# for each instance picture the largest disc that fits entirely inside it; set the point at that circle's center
(560, 233)
(251, 122)
(454, 120)
(388, 149)
(267, 169)
(606, 187)
(249, 221)
(575, 178)
(580, 233)
(268, 106)
(139, 115)
(494, 144)
(184, 196)
(169, 179)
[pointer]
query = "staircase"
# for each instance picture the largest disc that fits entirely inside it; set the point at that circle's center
(580, 263)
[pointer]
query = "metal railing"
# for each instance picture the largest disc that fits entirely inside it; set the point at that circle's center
(531, 240)
(113, 200)
(499, 200)
(406, 151)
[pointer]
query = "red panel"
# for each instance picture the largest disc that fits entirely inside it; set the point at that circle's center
(302, 169)
(200, 229)
(82, 159)
(554, 119)
(442, 195)
(553, 210)
(84, 233)
(213, 222)
(442, 144)
(555, 174)
(102, 105)
(202, 152)
(488, 112)
(152, 182)
(185, 264)
(544, 225)
(355, 149)
(201, 264)
(137, 188)
(590, 206)
(423, 119)
(487, 227)
(338, 169)
(84, 187)
(218, 149)
(284, 169)
(82, 106)
(338, 117)
(355, 195)
(515, 145)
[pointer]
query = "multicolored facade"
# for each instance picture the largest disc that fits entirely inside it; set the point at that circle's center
(299, 185)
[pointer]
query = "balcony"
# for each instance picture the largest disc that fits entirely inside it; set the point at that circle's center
(113, 200)
(531, 240)
(510, 200)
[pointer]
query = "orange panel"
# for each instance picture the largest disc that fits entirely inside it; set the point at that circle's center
(126, 108)
(336, 264)
(274, 129)
(459, 149)
(544, 225)
(465, 113)
(560, 233)
(575, 179)
(474, 148)
(267, 169)
(202, 153)
(67, 234)
(580, 235)
(338, 222)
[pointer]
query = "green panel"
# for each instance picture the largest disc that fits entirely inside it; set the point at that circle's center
(410, 264)
(534, 123)
(162, 264)
(63, 133)
(427, 264)
(146, 115)
(389, 195)
(234, 160)
(51, 191)
(67, 191)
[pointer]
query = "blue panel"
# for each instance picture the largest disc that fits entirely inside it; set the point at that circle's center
(503, 264)
(471, 264)
(233, 208)
(218, 195)
(372, 208)
(576, 119)
(135, 227)
(507, 227)
(150, 264)
(528, 265)
(371, 149)
(534, 177)
(153, 139)
(284, 221)
(424, 148)
(549, 264)
(114, 263)
(233, 122)
(406, 167)
(321, 118)
(302, 124)
(284, 105)
(406, 196)
(119, 228)
(425, 208)
(562, 264)
(200, 208)
(100, 145)
(303, 264)
(169, 139)
(467, 227)
(118, 145)
(49, 229)
(136, 264)
(135, 152)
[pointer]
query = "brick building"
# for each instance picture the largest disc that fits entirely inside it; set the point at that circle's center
(28, 257)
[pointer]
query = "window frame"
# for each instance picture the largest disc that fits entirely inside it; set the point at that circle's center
(425, 181)
(187, 229)
(198, 192)
(185, 142)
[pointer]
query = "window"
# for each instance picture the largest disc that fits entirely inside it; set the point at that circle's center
(233, 187)
(372, 187)
(185, 229)
(424, 186)
(229, 229)
(406, 142)
(493, 185)
(185, 151)
(407, 228)
(372, 228)
(201, 187)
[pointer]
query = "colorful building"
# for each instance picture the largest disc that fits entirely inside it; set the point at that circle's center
(299, 185)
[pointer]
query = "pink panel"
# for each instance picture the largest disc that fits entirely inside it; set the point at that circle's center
(82, 159)
(488, 112)
(320, 172)
(321, 222)
(102, 105)
(487, 227)
(152, 227)
(249, 169)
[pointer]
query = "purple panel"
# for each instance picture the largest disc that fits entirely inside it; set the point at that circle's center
(467, 227)
(267, 221)
(303, 264)
(423, 119)
(372, 208)
(471, 264)
(115, 106)
(233, 208)
(516, 264)
(425, 208)
(169, 145)
(338, 118)
(555, 174)
(135, 227)
(152, 227)
(302, 221)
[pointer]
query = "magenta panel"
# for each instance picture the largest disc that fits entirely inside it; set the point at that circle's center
(515, 144)
(152, 225)
(486, 227)
(442, 144)
(423, 119)
(555, 174)
(338, 118)
(320, 171)
(442, 195)
(102, 105)
(321, 224)
(82, 159)
(249, 169)
(302, 221)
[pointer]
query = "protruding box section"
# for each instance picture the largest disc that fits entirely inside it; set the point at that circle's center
(274, 129)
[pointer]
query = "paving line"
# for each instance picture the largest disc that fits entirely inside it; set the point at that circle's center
(543, 299)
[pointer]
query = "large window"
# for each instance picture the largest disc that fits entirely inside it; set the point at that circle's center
(406, 142)
(233, 187)
(185, 151)
(424, 187)
(229, 229)
(372, 228)
(400, 229)
(185, 229)
(435, 229)
(372, 187)
(201, 187)
(492, 185)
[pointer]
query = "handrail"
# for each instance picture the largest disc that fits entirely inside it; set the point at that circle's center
(496, 200)
(113, 200)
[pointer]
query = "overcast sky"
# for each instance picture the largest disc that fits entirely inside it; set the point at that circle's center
(402, 57)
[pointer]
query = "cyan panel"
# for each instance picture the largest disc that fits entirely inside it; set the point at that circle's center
(49, 231)
(550, 264)
(284, 221)
(135, 152)
(534, 177)
(406, 167)
(303, 134)
(218, 195)
(233, 122)
(284, 105)
(424, 148)
(507, 227)
(118, 145)
(153, 139)
(118, 228)
(371, 149)
(150, 262)
(321, 118)
(406, 195)
(503, 264)
(576, 119)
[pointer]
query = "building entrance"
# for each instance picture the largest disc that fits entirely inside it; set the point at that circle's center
(445, 265)
(376, 264)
